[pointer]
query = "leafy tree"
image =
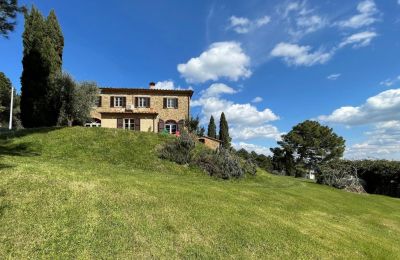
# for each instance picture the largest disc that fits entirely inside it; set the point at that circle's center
(224, 132)
(76, 100)
(193, 126)
(8, 13)
(42, 62)
(201, 131)
(308, 145)
(212, 128)
(5, 100)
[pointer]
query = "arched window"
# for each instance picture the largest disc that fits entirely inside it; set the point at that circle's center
(171, 126)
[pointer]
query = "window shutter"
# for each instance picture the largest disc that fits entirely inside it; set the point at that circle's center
(165, 102)
(176, 102)
(111, 101)
(181, 125)
(160, 126)
(123, 101)
(137, 124)
(148, 102)
(99, 101)
(136, 102)
(120, 123)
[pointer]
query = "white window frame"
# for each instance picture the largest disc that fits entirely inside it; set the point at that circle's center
(130, 122)
(142, 102)
(118, 101)
(171, 102)
(171, 126)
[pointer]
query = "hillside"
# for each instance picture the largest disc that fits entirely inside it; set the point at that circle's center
(101, 193)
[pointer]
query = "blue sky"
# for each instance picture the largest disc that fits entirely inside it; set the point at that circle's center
(268, 64)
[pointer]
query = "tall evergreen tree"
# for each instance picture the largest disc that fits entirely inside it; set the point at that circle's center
(42, 63)
(8, 13)
(224, 132)
(212, 128)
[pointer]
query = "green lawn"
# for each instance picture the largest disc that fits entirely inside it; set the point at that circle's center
(100, 193)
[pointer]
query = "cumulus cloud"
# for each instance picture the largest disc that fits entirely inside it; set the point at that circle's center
(380, 108)
(252, 147)
(358, 40)
(245, 120)
(383, 142)
(257, 100)
(221, 60)
(297, 55)
(366, 15)
(244, 25)
(334, 76)
(264, 131)
(166, 84)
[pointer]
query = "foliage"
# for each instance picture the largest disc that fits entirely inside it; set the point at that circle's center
(8, 14)
(377, 176)
(192, 124)
(260, 160)
(306, 146)
(76, 100)
(212, 128)
(5, 101)
(104, 193)
(42, 63)
(179, 150)
(221, 164)
(224, 132)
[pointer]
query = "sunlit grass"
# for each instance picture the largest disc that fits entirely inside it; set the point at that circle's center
(100, 193)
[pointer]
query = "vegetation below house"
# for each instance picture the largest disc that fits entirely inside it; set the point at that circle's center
(104, 193)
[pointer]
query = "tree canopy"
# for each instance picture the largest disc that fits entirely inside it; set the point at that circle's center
(8, 13)
(212, 128)
(224, 132)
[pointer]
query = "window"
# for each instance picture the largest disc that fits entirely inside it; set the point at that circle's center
(98, 101)
(172, 102)
(171, 127)
(129, 123)
(143, 102)
(118, 101)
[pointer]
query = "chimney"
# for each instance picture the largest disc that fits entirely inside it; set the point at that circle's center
(152, 85)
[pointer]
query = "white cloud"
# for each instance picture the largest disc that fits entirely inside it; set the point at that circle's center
(390, 82)
(358, 40)
(221, 60)
(166, 84)
(366, 16)
(264, 131)
(252, 147)
(245, 120)
(294, 54)
(301, 19)
(257, 100)
(334, 76)
(244, 25)
(216, 89)
(380, 108)
(383, 142)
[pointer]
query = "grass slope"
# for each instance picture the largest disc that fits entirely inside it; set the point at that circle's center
(100, 193)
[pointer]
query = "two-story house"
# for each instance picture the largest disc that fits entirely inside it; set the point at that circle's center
(149, 110)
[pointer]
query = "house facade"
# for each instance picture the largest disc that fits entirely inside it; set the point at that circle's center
(139, 109)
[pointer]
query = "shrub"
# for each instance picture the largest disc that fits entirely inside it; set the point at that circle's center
(250, 167)
(179, 150)
(221, 164)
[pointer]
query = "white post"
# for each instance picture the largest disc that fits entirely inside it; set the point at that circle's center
(11, 108)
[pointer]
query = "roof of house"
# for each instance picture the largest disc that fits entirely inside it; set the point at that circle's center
(108, 90)
(207, 137)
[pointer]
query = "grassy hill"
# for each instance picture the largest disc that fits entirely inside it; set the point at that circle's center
(101, 193)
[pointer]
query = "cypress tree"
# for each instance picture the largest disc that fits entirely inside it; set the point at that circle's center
(42, 62)
(212, 128)
(224, 132)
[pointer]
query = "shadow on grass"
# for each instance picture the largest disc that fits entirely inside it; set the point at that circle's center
(3, 205)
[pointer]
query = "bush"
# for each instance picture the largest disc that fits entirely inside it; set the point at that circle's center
(221, 164)
(250, 167)
(179, 150)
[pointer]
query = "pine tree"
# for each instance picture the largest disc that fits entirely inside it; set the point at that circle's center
(224, 132)
(212, 128)
(8, 14)
(42, 63)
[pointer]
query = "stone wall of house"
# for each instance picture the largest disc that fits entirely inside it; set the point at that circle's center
(149, 116)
